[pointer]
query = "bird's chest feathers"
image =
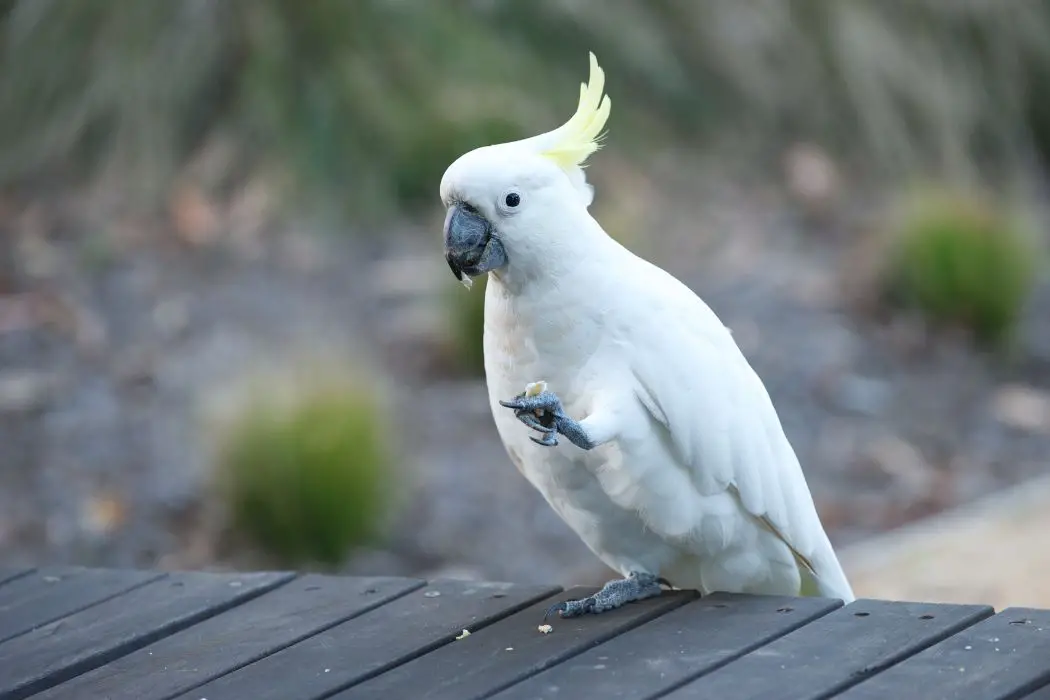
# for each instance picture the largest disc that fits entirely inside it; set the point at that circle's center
(528, 340)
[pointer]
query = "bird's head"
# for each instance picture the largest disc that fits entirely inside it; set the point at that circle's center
(517, 204)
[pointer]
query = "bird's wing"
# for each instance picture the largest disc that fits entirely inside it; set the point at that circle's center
(722, 424)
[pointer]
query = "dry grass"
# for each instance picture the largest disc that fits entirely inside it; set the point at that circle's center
(374, 97)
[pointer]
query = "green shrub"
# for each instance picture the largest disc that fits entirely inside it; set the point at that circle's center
(960, 261)
(305, 474)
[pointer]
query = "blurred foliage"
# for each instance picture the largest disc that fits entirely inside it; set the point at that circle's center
(306, 473)
(422, 159)
(960, 260)
(373, 98)
(465, 327)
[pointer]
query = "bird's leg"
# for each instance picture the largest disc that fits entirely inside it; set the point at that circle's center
(637, 586)
(543, 412)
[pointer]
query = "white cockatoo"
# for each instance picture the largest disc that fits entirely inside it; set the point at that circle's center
(675, 469)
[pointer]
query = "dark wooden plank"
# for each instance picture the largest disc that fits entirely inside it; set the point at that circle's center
(672, 649)
(58, 651)
(233, 639)
(1001, 658)
(1041, 694)
(835, 651)
(365, 646)
(52, 593)
(507, 652)
(8, 574)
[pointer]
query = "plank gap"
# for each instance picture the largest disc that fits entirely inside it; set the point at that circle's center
(64, 665)
(393, 596)
(665, 653)
(44, 606)
(376, 642)
(184, 661)
(8, 575)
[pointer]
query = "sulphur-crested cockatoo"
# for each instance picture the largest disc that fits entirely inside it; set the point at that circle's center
(675, 468)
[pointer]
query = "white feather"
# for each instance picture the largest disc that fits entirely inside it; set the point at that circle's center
(700, 484)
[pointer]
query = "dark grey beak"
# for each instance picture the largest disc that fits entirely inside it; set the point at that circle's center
(470, 247)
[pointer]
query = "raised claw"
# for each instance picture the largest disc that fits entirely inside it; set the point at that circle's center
(548, 440)
(545, 401)
(545, 409)
(514, 403)
(530, 419)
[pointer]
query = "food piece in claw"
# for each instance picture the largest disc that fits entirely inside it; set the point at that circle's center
(535, 388)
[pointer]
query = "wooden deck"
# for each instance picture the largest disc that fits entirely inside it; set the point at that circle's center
(87, 634)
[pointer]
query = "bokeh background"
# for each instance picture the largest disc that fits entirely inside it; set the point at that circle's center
(228, 337)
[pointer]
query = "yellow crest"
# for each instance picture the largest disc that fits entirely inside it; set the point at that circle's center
(579, 137)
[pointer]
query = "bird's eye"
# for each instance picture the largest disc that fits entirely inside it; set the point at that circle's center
(509, 203)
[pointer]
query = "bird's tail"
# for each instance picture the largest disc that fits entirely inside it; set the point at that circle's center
(822, 574)
(824, 577)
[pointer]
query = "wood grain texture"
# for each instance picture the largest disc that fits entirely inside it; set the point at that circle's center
(1001, 658)
(72, 634)
(232, 639)
(836, 651)
(670, 650)
(365, 646)
(63, 649)
(52, 593)
(507, 652)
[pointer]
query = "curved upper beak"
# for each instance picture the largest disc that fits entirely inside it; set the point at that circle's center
(470, 248)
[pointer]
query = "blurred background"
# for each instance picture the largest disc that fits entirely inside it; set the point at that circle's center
(228, 337)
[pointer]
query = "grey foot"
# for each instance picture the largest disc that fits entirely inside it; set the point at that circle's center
(544, 414)
(637, 586)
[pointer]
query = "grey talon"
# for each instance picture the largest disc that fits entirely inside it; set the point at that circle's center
(533, 422)
(556, 608)
(614, 594)
(543, 412)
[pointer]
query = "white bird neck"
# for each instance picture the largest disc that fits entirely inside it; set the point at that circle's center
(578, 248)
